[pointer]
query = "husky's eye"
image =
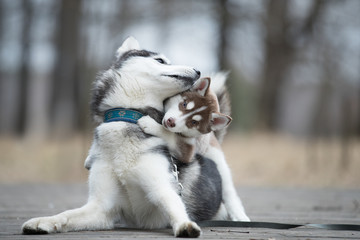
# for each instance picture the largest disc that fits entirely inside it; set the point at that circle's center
(160, 60)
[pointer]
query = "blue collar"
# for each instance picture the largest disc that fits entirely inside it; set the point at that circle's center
(122, 114)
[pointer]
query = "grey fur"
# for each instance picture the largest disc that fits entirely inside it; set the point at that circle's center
(102, 85)
(134, 130)
(129, 54)
(202, 193)
(152, 112)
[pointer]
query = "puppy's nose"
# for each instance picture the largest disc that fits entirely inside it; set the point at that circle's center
(197, 72)
(171, 122)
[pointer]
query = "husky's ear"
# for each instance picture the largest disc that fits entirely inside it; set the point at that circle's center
(129, 44)
(201, 86)
(219, 121)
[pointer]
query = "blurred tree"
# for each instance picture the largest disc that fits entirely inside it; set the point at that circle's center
(87, 31)
(282, 36)
(24, 76)
(66, 85)
(2, 75)
(230, 15)
(224, 28)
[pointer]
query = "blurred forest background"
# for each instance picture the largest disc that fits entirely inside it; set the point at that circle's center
(295, 81)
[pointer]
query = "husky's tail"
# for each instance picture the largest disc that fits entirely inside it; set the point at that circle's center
(218, 86)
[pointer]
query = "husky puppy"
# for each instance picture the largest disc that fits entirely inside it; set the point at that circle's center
(188, 125)
(189, 114)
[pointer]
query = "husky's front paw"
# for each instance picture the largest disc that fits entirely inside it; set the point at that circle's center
(42, 225)
(188, 230)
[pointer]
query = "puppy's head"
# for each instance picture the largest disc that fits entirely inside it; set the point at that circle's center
(194, 112)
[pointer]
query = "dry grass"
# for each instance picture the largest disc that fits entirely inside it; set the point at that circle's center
(268, 159)
(34, 160)
(255, 159)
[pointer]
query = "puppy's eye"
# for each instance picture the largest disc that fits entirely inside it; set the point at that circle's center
(160, 60)
(194, 122)
(184, 104)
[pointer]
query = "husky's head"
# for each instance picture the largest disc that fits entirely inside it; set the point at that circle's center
(194, 112)
(139, 79)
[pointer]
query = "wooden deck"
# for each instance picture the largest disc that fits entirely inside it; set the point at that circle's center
(21, 202)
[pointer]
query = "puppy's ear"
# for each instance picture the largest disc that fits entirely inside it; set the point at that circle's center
(219, 121)
(129, 44)
(201, 86)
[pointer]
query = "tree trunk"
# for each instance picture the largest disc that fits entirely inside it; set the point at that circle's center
(280, 52)
(22, 116)
(223, 30)
(64, 107)
(278, 57)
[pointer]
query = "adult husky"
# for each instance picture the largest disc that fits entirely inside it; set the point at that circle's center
(131, 177)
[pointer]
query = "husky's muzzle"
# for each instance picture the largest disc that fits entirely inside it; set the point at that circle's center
(187, 80)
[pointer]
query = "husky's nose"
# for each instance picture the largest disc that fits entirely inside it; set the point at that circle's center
(197, 72)
(170, 122)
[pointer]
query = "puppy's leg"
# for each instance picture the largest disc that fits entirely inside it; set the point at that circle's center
(231, 200)
(96, 214)
(159, 186)
(150, 126)
(182, 148)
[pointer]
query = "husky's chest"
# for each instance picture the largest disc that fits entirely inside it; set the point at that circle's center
(122, 143)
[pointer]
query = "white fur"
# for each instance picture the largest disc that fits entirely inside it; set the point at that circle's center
(218, 81)
(190, 105)
(129, 43)
(197, 117)
(172, 110)
(232, 203)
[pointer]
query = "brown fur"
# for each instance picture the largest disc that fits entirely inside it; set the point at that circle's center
(208, 100)
(185, 151)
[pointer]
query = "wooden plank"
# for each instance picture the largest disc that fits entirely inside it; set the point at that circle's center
(19, 202)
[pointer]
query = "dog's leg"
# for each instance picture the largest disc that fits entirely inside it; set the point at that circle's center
(158, 184)
(88, 217)
(96, 214)
(231, 200)
(150, 126)
(182, 148)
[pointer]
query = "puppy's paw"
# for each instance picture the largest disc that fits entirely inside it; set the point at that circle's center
(42, 225)
(243, 218)
(148, 125)
(188, 230)
(238, 215)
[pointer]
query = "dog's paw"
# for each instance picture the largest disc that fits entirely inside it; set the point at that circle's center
(240, 219)
(238, 215)
(148, 124)
(42, 225)
(188, 230)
